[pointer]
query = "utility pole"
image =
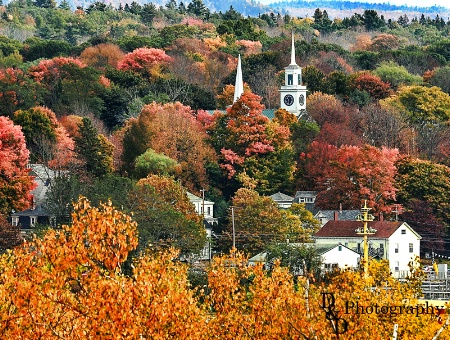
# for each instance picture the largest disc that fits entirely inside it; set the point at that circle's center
(232, 222)
(365, 217)
(203, 202)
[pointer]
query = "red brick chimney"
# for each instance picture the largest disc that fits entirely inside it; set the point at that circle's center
(336, 215)
(381, 216)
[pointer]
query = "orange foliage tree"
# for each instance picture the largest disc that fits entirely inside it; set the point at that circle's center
(101, 55)
(171, 129)
(69, 285)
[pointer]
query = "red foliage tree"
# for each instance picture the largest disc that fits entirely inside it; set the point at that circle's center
(15, 183)
(372, 84)
(350, 174)
(146, 60)
(250, 144)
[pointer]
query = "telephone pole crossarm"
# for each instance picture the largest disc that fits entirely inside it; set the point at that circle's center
(365, 231)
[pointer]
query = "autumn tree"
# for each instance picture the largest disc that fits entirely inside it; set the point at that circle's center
(102, 55)
(425, 181)
(438, 78)
(10, 236)
(172, 130)
(258, 222)
(70, 281)
(350, 174)
(422, 105)
(384, 126)
(17, 91)
(15, 183)
(39, 127)
(165, 216)
(71, 86)
(370, 83)
(337, 122)
(148, 61)
(396, 75)
(252, 149)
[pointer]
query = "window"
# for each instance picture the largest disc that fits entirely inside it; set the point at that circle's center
(209, 210)
(396, 248)
(340, 248)
(15, 221)
(290, 79)
(403, 231)
(301, 200)
(32, 221)
(411, 248)
(397, 266)
(299, 79)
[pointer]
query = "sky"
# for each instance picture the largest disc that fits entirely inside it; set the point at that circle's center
(420, 3)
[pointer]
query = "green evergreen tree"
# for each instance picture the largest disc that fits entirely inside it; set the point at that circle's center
(197, 7)
(94, 149)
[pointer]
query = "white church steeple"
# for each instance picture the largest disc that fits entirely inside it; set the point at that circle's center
(239, 85)
(293, 93)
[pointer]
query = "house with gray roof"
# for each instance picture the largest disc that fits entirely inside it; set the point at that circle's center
(284, 201)
(37, 213)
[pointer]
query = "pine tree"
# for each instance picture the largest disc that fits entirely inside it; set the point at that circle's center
(95, 150)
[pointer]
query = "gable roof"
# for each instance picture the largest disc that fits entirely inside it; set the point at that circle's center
(279, 196)
(194, 198)
(323, 249)
(306, 194)
(384, 229)
(343, 215)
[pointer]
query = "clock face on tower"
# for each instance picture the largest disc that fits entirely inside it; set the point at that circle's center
(288, 100)
(301, 100)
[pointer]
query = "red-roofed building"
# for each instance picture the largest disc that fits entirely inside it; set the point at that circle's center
(393, 241)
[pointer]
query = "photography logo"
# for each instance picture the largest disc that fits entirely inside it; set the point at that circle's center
(339, 325)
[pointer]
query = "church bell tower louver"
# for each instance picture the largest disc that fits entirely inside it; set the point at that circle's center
(293, 93)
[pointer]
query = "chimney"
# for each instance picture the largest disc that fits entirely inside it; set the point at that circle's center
(381, 216)
(336, 215)
(340, 208)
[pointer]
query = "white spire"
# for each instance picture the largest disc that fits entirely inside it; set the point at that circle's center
(239, 86)
(293, 51)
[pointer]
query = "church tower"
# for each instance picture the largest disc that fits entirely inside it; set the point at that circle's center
(239, 84)
(293, 93)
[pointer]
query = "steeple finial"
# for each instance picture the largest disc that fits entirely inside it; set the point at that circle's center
(239, 86)
(293, 51)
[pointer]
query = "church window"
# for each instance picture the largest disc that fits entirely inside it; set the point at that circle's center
(290, 79)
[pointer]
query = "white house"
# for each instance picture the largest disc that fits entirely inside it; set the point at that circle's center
(337, 256)
(206, 209)
(284, 201)
(396, 242)
(333, 256)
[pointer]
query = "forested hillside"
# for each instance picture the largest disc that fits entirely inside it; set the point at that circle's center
(111, 95)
